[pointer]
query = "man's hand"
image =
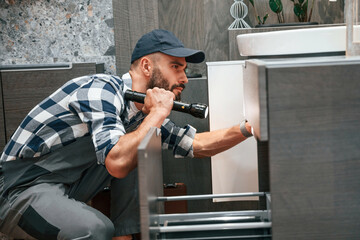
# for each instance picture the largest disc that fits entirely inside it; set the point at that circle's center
(122, 158)
(159, 101)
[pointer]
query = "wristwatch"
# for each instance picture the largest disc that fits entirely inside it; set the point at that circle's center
(243, 129)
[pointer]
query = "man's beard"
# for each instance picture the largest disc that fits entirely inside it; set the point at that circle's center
(158, 80)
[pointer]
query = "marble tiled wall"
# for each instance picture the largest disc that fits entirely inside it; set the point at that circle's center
(57, 31)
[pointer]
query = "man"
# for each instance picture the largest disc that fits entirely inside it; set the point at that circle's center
(85, 136)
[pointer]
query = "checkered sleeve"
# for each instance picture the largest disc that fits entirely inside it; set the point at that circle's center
(179, 140)
(99, 104)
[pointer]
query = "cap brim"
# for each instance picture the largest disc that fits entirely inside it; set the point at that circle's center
(191, 55)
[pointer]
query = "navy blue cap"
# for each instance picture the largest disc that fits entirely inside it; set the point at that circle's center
(160, 40)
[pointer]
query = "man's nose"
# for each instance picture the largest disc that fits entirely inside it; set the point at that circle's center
(184, 78)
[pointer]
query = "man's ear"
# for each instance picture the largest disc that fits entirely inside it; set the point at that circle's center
(146, 66)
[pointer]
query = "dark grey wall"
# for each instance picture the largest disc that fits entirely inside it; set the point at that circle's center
(195, 173)
(132, 19)
(199, 24)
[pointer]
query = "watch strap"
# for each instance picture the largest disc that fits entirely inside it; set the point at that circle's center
(243, 129)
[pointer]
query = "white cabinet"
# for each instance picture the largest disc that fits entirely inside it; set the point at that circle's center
(234, 170)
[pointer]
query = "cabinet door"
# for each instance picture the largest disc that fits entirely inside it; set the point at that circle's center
(314, 154)
(23, 89)
(234, 170)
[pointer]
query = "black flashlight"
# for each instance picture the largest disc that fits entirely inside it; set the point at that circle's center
(198, 110)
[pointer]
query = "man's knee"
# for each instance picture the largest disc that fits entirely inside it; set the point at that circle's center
(97, 228)
(105, 231)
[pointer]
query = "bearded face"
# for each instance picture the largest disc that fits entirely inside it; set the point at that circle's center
(157, 79)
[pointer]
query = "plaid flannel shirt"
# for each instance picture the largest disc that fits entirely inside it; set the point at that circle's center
(90, 105)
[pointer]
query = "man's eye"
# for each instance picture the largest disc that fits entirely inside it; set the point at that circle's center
(175, 66)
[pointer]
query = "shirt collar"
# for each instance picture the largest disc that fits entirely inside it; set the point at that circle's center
(132, 111)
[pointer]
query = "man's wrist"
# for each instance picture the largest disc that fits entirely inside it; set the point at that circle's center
(244, 130)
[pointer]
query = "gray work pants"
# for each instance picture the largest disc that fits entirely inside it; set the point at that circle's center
(43, 198)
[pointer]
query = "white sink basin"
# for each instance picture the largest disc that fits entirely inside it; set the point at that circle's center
(297, 41)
